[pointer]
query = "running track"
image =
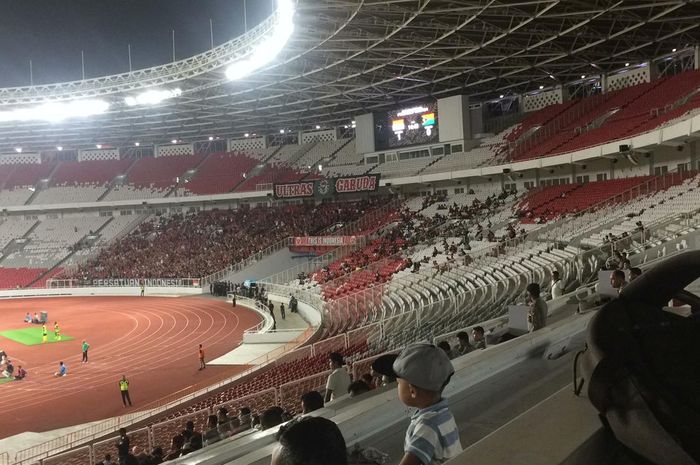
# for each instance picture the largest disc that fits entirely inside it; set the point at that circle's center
(152, 340)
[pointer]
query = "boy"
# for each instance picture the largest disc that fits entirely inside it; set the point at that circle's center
(422, 371)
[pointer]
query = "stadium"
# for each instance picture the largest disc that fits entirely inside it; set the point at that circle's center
(235, 226)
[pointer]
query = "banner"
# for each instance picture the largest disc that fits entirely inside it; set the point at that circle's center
(325, 241)
(150, 282)
(327, 187)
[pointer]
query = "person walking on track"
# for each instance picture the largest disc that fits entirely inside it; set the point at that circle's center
(85, 348)
(56, 331)
(143, 289)
(44, 334)
(282, 312)
(202, 363)
(124, 389)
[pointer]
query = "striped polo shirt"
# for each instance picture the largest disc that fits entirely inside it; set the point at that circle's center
(432, 435)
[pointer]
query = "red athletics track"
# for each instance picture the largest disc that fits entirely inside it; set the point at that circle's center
(152, 340)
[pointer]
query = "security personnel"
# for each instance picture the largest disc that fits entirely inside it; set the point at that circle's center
(124, 389)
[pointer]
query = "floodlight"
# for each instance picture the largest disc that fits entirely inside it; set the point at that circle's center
(211, 137)
(583, 76)
(18, 149)
(174, 141)
(137, 144)
(674, 50)
(541, 87)
(246, 135)
(320, 167)
(152, 97)
(59, 148)
(99, 146)
(501, 96)
(281, 131)
(266, 51)
(56, 111)
(627, 64)
(318, 127)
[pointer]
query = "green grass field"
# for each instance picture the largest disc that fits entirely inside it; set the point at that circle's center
(4, 380)
(31, 336)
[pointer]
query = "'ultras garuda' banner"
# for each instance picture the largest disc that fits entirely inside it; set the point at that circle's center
(327, 187)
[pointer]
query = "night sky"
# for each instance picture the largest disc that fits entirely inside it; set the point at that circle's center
(53, 32)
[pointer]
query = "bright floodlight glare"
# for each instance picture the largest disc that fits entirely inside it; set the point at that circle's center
(137, 144)
(211, 137)
(541, 87)
(266, 51)
(152, 97)
(674, 50)
(174, 141)
(18, 149)
(500, 96)
(627, 64)
(56, 111)
(59, 148)
(99, 146)
(583, 76)
(318, 127)
(246, 135)
(281, 131)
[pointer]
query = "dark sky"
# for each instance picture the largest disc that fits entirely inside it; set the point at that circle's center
(53, 32)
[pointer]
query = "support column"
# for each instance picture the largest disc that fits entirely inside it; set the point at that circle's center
(454, 119)
(364, 134)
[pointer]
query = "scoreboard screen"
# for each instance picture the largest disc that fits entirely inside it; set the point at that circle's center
(407, 126)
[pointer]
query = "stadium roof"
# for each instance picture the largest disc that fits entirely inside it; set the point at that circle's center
(347, 57)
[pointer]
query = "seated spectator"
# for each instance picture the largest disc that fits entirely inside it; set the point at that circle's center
(212, 434)
(557, 285)
(445, 346)
(379, 368)
(311, 401)
(62, 369)
(537, 315)
(21, 373)
(175, 447)
(463, 347)
(223, 422)
(271, 418)
(27, 318)
(244, 417)
(369, 381)
(193, 439)
(310, 441)
(478, 337)
(618, 280)
(339, 379)
(156, 456)
(358, 387)
(141, 455)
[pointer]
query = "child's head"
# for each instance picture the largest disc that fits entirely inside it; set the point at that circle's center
(422, 371)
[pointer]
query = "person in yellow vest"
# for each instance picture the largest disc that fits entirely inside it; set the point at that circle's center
(44, 334)
(124, 389)
(56, 331)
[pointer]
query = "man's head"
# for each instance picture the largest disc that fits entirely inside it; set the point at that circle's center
(533, 290)
(310, 441)
(478, 333)
(617, 279)
(122, 431)
(635, 273)
(422, 371)
(271, 417)
(463, 337)
(244, 414)
(311, 401)
(445, 346)
(555, 275)
(336, 360)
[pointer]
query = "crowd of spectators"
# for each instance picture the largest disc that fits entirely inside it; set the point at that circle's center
(197, 244)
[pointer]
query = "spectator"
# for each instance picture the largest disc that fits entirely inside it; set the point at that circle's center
(212, 434)
(175, 447)
(445, 346)
(156, 456)
(123, 446)
(223, 422)
(338, 380)
(464, 347)
(9, 370)
(369, 381)
(357, 388)
(245, 420)
(423, 371)
(271, 418)
(617, 280)
(62, 369)
(557, 285)
(310, 441)
(635, 273)
(107, 460)
(537, 316)
(311, 401)
(21, 373)
(378, 368)
(479, 337)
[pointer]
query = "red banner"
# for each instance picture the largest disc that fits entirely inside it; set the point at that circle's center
(325, 241)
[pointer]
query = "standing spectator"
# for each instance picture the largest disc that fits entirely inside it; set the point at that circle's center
(311, 401)
(85, 348)
(537, 315)
(212, 434)
(557, 286)
(202, 363)
(339, 380)
(143, 288)
(123, 446)
(62, 369)
(176, 444)
(282, 311)
(124, 390)
(479, 337)
(422, 371)
(310, 441)
(223, 422)
(233, 302)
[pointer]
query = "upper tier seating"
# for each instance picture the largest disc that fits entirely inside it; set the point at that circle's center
(161, 172)
(129, 192)
(89, 172)
(69, 194)
(220, 173)
(16, 196)
(347, 156)
(272, 174)
(321, 151)
(27, 175)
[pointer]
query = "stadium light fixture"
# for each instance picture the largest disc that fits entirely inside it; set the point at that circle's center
(318, 127)
(137, 144)
(152, 97)
(583, 76)
(541, 87)
(211, 138)
(18, 149)
(55, 112)
(267, 50)
(626, 65)
(320, 167)
(99, 146)
(281, 131)
(59, 148)
(174, 141)
(674, 50)
(246, 135)
(501, 96)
